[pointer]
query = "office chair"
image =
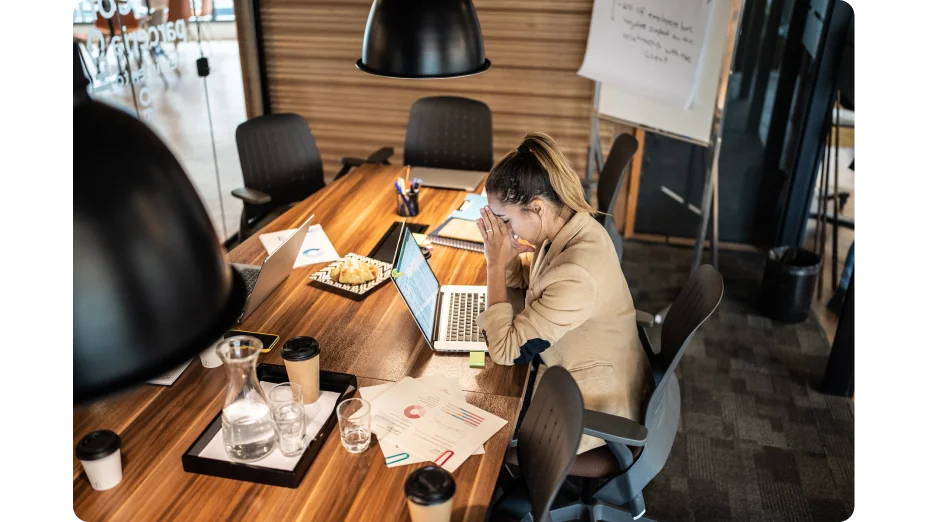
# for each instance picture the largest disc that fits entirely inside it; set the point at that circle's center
(610, 183)
(634, 453)
(281, 166)
(449, 132)
(552, 427)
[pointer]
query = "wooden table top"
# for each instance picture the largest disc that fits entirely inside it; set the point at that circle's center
(375, 339)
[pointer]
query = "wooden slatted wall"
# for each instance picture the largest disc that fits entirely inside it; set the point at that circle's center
(536, 47)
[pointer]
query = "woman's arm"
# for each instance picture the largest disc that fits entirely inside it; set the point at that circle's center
(568, 298)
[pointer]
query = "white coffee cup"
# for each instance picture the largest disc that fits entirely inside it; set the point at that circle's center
(101, 459)
(209, 357)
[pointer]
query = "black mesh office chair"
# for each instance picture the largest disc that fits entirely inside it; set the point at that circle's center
(449, 132)
(552, 427)
(634, 453)
(281, 166)
(610, 183)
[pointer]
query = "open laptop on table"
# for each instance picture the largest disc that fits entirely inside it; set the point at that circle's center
(262, 280)
(448, 178)
(446, 314)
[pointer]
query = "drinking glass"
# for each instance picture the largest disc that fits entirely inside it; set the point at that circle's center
(286, 402)
(354, 423)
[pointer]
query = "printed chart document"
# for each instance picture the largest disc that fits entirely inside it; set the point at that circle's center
(316, 246)
(431, 424)
(394, 455)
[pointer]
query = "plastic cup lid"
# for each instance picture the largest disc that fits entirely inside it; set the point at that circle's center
(97, 445)
(300, 349)
(429, 485)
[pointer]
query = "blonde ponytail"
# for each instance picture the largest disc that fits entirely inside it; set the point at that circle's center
(560, 174)
(537, 168)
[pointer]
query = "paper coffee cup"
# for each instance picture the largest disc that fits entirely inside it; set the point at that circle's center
(101, 459)
(429, 491)
(301, 358)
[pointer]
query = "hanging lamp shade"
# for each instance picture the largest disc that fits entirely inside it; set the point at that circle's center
(423, 39)
(151, 286)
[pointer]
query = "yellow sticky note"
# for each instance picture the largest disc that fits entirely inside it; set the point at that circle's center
(421, 239)
(478, 359)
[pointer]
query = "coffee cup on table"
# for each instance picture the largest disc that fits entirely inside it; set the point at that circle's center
(301, 358)
(100, 456)
(429, 491)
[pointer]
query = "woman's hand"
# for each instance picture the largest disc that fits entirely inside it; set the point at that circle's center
(499, 242)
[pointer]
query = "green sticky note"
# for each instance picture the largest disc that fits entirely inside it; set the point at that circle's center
(478, 359)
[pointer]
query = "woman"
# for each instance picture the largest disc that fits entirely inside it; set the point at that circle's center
(578, 310)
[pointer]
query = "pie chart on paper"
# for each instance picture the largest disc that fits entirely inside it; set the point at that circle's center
(414, 411)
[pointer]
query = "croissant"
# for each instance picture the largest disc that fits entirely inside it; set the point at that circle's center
(354, 272)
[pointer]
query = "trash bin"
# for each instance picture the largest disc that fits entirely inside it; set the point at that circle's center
(789, 283)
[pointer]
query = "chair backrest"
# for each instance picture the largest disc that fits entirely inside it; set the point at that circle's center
(449, 132)
(279, 157)
(699, 298)
(610, 179)
(549, 438)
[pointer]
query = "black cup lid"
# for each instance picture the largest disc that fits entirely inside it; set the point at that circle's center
(97, 445)
(429, 486)
(300, 349)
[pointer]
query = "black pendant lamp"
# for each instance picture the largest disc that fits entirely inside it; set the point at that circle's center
(423, 39)
(151, 286)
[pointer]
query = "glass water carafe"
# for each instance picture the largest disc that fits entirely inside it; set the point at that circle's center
(247, 424)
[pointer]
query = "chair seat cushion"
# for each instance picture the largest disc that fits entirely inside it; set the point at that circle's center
(596, 463)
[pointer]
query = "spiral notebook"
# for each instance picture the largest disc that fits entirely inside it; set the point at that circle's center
(460, 229)
(458, 233)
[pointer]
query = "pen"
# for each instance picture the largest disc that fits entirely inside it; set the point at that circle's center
(399, 190)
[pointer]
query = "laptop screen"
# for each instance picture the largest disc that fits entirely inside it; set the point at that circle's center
(416, 282)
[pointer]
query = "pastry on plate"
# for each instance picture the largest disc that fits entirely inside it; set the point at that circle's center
(354, 272)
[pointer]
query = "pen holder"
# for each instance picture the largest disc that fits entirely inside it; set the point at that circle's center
(412, 209)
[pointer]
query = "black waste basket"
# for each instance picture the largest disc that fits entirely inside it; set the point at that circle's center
(789, 283)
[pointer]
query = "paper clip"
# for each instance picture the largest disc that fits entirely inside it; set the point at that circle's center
(393, 459)
(444, 457)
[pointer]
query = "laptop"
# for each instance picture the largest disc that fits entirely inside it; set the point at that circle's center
(448, 178)
(262, 280)
(446, 315)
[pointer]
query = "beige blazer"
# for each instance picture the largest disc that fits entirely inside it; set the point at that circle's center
(578, 314)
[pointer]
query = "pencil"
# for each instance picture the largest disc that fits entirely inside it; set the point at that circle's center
(407, 176)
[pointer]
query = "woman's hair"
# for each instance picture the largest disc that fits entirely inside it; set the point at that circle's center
(537, 168)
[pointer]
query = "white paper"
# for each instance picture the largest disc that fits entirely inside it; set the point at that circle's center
(649, 48)
(168, 378)
(317, 414)
(316, 246)
(431, 424)
(393, 455)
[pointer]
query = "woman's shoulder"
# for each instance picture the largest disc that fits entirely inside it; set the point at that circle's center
(591, 248)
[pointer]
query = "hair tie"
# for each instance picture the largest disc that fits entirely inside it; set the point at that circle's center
(523, 149)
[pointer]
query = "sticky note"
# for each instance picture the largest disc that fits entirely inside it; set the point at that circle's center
(421, 239)
(478, 359)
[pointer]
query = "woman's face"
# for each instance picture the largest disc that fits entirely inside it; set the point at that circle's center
(524, 222)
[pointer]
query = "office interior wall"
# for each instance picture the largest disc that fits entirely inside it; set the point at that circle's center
(311, 46)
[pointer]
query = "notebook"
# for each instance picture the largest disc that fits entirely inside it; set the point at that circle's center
(460, 229)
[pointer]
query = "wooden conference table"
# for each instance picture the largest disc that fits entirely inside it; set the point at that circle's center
(375, 339)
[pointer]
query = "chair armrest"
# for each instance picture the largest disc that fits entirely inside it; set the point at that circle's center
(351, 162)
(382, 155)
(251, 196)
(644, 318)
(612, 428)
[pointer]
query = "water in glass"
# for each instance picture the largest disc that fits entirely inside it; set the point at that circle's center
(291, 428)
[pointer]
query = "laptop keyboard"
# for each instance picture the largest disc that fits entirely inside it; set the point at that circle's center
(250, 275)
(462, 319)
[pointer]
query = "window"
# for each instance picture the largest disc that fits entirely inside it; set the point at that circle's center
(223, 11)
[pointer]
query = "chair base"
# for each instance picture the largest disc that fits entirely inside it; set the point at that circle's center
(594, 513)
